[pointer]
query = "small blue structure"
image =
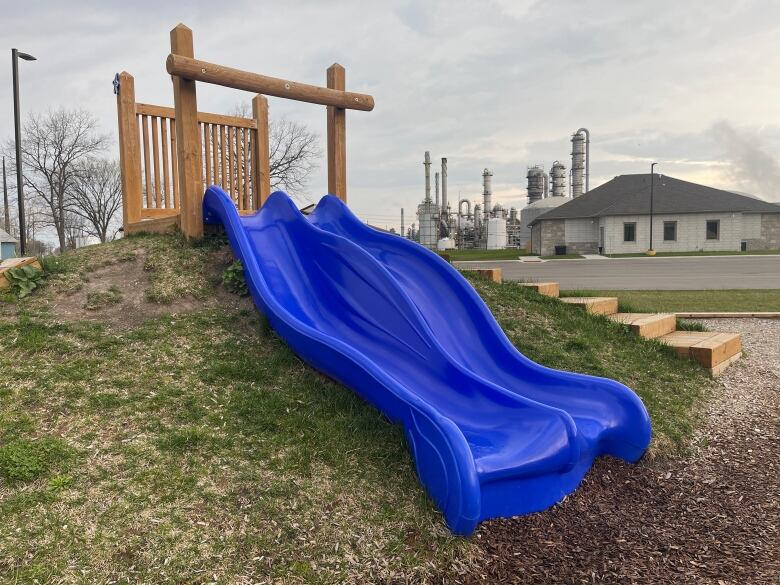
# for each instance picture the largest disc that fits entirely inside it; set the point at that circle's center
(7, 245)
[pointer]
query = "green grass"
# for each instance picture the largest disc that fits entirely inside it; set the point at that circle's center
(697, 253)
(197, 446)
(100, 299)
(683, 301)
(507, 254)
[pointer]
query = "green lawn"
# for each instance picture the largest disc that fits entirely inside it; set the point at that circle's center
(194, 446)
(683, 301)
(508, 254)
(696, 253)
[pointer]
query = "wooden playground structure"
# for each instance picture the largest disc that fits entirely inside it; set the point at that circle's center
(168, 156)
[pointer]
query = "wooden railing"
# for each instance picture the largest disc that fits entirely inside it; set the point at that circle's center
(169, 155)
(233, 151)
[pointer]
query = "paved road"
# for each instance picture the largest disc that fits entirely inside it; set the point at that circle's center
(667, 273)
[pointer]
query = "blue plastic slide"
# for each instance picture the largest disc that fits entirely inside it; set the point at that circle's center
(482, 449)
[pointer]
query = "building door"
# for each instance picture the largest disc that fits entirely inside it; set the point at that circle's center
(601, 240)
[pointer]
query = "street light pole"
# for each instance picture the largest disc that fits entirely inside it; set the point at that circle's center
(7, 216)
(651, 206)
(15, 56)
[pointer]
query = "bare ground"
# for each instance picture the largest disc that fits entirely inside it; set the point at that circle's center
(711, 517)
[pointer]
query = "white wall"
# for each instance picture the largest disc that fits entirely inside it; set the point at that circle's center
(751, 226)
(691, 232)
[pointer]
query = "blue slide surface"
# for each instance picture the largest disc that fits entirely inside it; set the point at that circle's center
(488, 440)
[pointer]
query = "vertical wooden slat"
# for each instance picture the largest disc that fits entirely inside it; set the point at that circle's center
(240, 169)
(231, 165)
(261, 178)
(129, 151)
(188, 140)
(166, 191)
(337, 137)
(223, 156)
(215, 153)
(147, 170)
(207, 152)
(175, 166)
(245, 166)
(156, 156)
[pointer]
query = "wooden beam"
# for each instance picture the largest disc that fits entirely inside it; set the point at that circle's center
(207, 117)
(186, 67)
(261, 164)
(187, 140)
(337, 137)
(129, 150)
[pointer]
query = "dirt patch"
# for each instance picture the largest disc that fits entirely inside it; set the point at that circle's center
(712, 517)
(129, 281)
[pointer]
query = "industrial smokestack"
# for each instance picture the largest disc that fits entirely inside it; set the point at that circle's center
(487, 192)
(444, 184)
(403, 234)
(427, 164)
(436, 183)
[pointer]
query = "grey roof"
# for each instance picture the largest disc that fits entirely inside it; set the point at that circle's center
(630, 195)
(5, 237)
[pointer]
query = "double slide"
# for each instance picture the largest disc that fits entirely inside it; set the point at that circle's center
(492, 433)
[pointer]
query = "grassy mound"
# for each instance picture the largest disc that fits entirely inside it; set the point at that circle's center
(163, 434)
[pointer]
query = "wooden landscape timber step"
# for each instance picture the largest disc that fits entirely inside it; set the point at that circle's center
(9, 263)
(711, 349)
(550, 289)
(647, 325)
(492, 274)
(594, 305)
(158, 225)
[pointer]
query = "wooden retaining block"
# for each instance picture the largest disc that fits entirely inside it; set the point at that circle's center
(711, 349)
(647, 325)
(158, 225)
(493, 274)
(550, 289)
(594, 305)
(9, 263)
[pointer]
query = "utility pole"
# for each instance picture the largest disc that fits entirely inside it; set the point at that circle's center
(652, 182)
(15, 56)
(5, 202)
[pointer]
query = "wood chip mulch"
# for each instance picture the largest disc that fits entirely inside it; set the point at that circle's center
(712, 517)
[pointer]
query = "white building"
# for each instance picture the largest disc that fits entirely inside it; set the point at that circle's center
(614, 218)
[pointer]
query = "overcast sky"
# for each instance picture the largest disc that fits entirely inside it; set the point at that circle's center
(502, 84)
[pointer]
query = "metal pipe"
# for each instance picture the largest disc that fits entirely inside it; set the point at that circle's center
(5, 202)
(436, 183)
(460, 207)
(427, 165)
(444, 185)
(403, 234)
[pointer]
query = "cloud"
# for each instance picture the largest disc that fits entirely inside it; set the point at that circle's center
(748, 161)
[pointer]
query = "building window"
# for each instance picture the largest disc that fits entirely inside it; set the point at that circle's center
(713, 229)
(629, 232)
(670, 231)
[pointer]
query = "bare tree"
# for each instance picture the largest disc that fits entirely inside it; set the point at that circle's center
(293, 151)
(53, 145)
(96, 196)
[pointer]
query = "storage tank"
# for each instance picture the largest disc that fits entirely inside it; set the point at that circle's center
(445, 244)
(428, 219)
(496, 233)
(534, 210)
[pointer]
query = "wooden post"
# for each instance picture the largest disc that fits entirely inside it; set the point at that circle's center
(129, 150)
(261, 177)
(187, 140)
(337, 137)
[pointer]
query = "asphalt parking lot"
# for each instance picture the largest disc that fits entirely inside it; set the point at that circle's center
(665, 273)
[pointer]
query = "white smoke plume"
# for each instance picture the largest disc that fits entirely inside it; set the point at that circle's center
(750, 164)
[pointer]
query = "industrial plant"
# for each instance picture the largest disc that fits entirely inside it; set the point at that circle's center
(482, 224)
